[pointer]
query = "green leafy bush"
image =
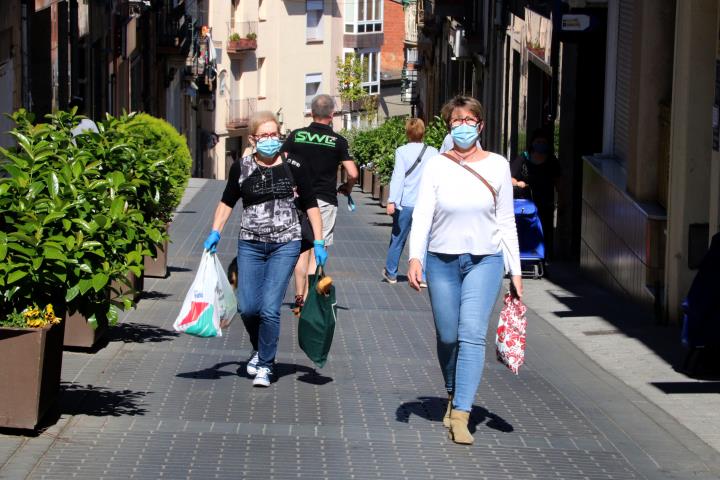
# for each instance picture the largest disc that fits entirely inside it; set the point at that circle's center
(171, 147)
(77, 213)
(435, 132)
(375, 148)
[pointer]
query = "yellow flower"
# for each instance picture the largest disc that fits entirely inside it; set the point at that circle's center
(50, 314)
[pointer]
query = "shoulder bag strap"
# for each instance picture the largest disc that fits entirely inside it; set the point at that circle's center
(480, 177)
(417, 162)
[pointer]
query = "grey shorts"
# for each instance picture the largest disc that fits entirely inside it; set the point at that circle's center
(328, 212)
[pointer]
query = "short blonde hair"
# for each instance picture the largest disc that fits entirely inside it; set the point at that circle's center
(414, 129)
(461, 101)
(263, 116)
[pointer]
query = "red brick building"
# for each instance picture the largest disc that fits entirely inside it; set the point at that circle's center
(392, 50)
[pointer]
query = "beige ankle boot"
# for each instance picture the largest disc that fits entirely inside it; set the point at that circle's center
(459, 432)
(446, 418)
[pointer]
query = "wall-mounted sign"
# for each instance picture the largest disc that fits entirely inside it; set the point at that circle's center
(575, 23)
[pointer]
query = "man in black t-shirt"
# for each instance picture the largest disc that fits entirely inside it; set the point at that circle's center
(322, 150)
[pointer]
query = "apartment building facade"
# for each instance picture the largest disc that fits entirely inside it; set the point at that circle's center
(630, 89)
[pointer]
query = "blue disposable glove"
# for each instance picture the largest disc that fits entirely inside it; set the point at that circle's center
(351, 204)
(212, 241)
(320, 252)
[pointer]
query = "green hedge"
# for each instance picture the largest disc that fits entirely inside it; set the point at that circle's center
(77, 213)
(375, 148)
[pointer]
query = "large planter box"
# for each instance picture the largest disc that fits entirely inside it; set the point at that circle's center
(135, 281)
(157, 267)
(367, 180)
(80, 334)
(384, 194)
(29, 374)
(375, 187)
(237, 48)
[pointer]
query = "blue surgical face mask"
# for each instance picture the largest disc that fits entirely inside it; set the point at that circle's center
(268, 147)
(541, 147)
(464, 135)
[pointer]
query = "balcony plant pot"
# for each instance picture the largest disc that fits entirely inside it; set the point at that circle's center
(240, 47)
(81, 334)
(384, 195)
(157, 267)
(29, 374)
(367, 180)
(375, 187)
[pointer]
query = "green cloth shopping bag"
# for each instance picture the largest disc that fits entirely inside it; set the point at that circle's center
(317, 321)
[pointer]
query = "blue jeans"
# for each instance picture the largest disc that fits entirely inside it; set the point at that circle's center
(463, 291)
(402, 221)
(264, 271)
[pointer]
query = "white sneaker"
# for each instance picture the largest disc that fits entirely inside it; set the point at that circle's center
(252, 364)
(262, 379)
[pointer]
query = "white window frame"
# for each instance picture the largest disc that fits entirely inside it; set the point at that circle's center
(355, 26)
(314, 8)
(372, 85)
(312, 78)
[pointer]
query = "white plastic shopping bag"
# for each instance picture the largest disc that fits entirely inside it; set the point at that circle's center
(210, 303)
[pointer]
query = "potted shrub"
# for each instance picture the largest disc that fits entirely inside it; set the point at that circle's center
(69, 221)
(171, 148)
(237, 44)
(31, 343)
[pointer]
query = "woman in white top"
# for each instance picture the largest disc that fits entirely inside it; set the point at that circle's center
(464, 220)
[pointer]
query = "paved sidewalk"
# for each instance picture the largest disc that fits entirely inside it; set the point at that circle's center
(154, 404)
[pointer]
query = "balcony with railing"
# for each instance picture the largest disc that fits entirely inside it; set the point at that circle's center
(174, 32)
(239, 113)
(411, 23)
(241, 38)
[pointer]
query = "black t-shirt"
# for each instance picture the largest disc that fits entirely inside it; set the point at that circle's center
(268, 196)
(322, 150)
(540, 177)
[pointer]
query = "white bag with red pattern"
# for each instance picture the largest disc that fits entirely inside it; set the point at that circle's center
(510, 336)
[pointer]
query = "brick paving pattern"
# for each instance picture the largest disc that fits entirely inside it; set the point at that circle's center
(155, 404)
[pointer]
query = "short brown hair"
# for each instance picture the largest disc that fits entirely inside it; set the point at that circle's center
(258, 118)
(414, 129)
(461, 101)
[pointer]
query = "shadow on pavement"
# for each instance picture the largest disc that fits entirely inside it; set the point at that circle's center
(178, 269)
(139, 333)
(217, 371)
(144, 295)
(588, 299)
(687, 387)
(76, 399)
(433, 410)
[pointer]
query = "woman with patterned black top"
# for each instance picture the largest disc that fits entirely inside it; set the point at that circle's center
(269, 244)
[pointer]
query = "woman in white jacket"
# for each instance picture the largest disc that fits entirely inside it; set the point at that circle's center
(464, 219)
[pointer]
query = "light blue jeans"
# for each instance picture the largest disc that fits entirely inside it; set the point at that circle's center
(463, 291)
(264, 271)
(402, 222)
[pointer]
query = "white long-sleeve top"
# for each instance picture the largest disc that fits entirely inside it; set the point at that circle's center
(455, 213)
(403, 188)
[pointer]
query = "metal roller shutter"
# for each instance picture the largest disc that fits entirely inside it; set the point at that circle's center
(624, 72)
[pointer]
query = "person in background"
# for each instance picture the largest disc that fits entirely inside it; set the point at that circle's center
(536, 175)
(464, 230)
(269, 240)
(410, 161)
(322, 150)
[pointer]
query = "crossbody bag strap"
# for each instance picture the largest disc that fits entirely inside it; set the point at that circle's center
(417, 162)
(480, 177)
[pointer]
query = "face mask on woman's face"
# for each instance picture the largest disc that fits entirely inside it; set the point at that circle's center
(464, 136)
(541, 147)
(268, 147)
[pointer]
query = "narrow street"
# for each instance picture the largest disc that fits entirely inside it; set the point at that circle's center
(155, 404)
